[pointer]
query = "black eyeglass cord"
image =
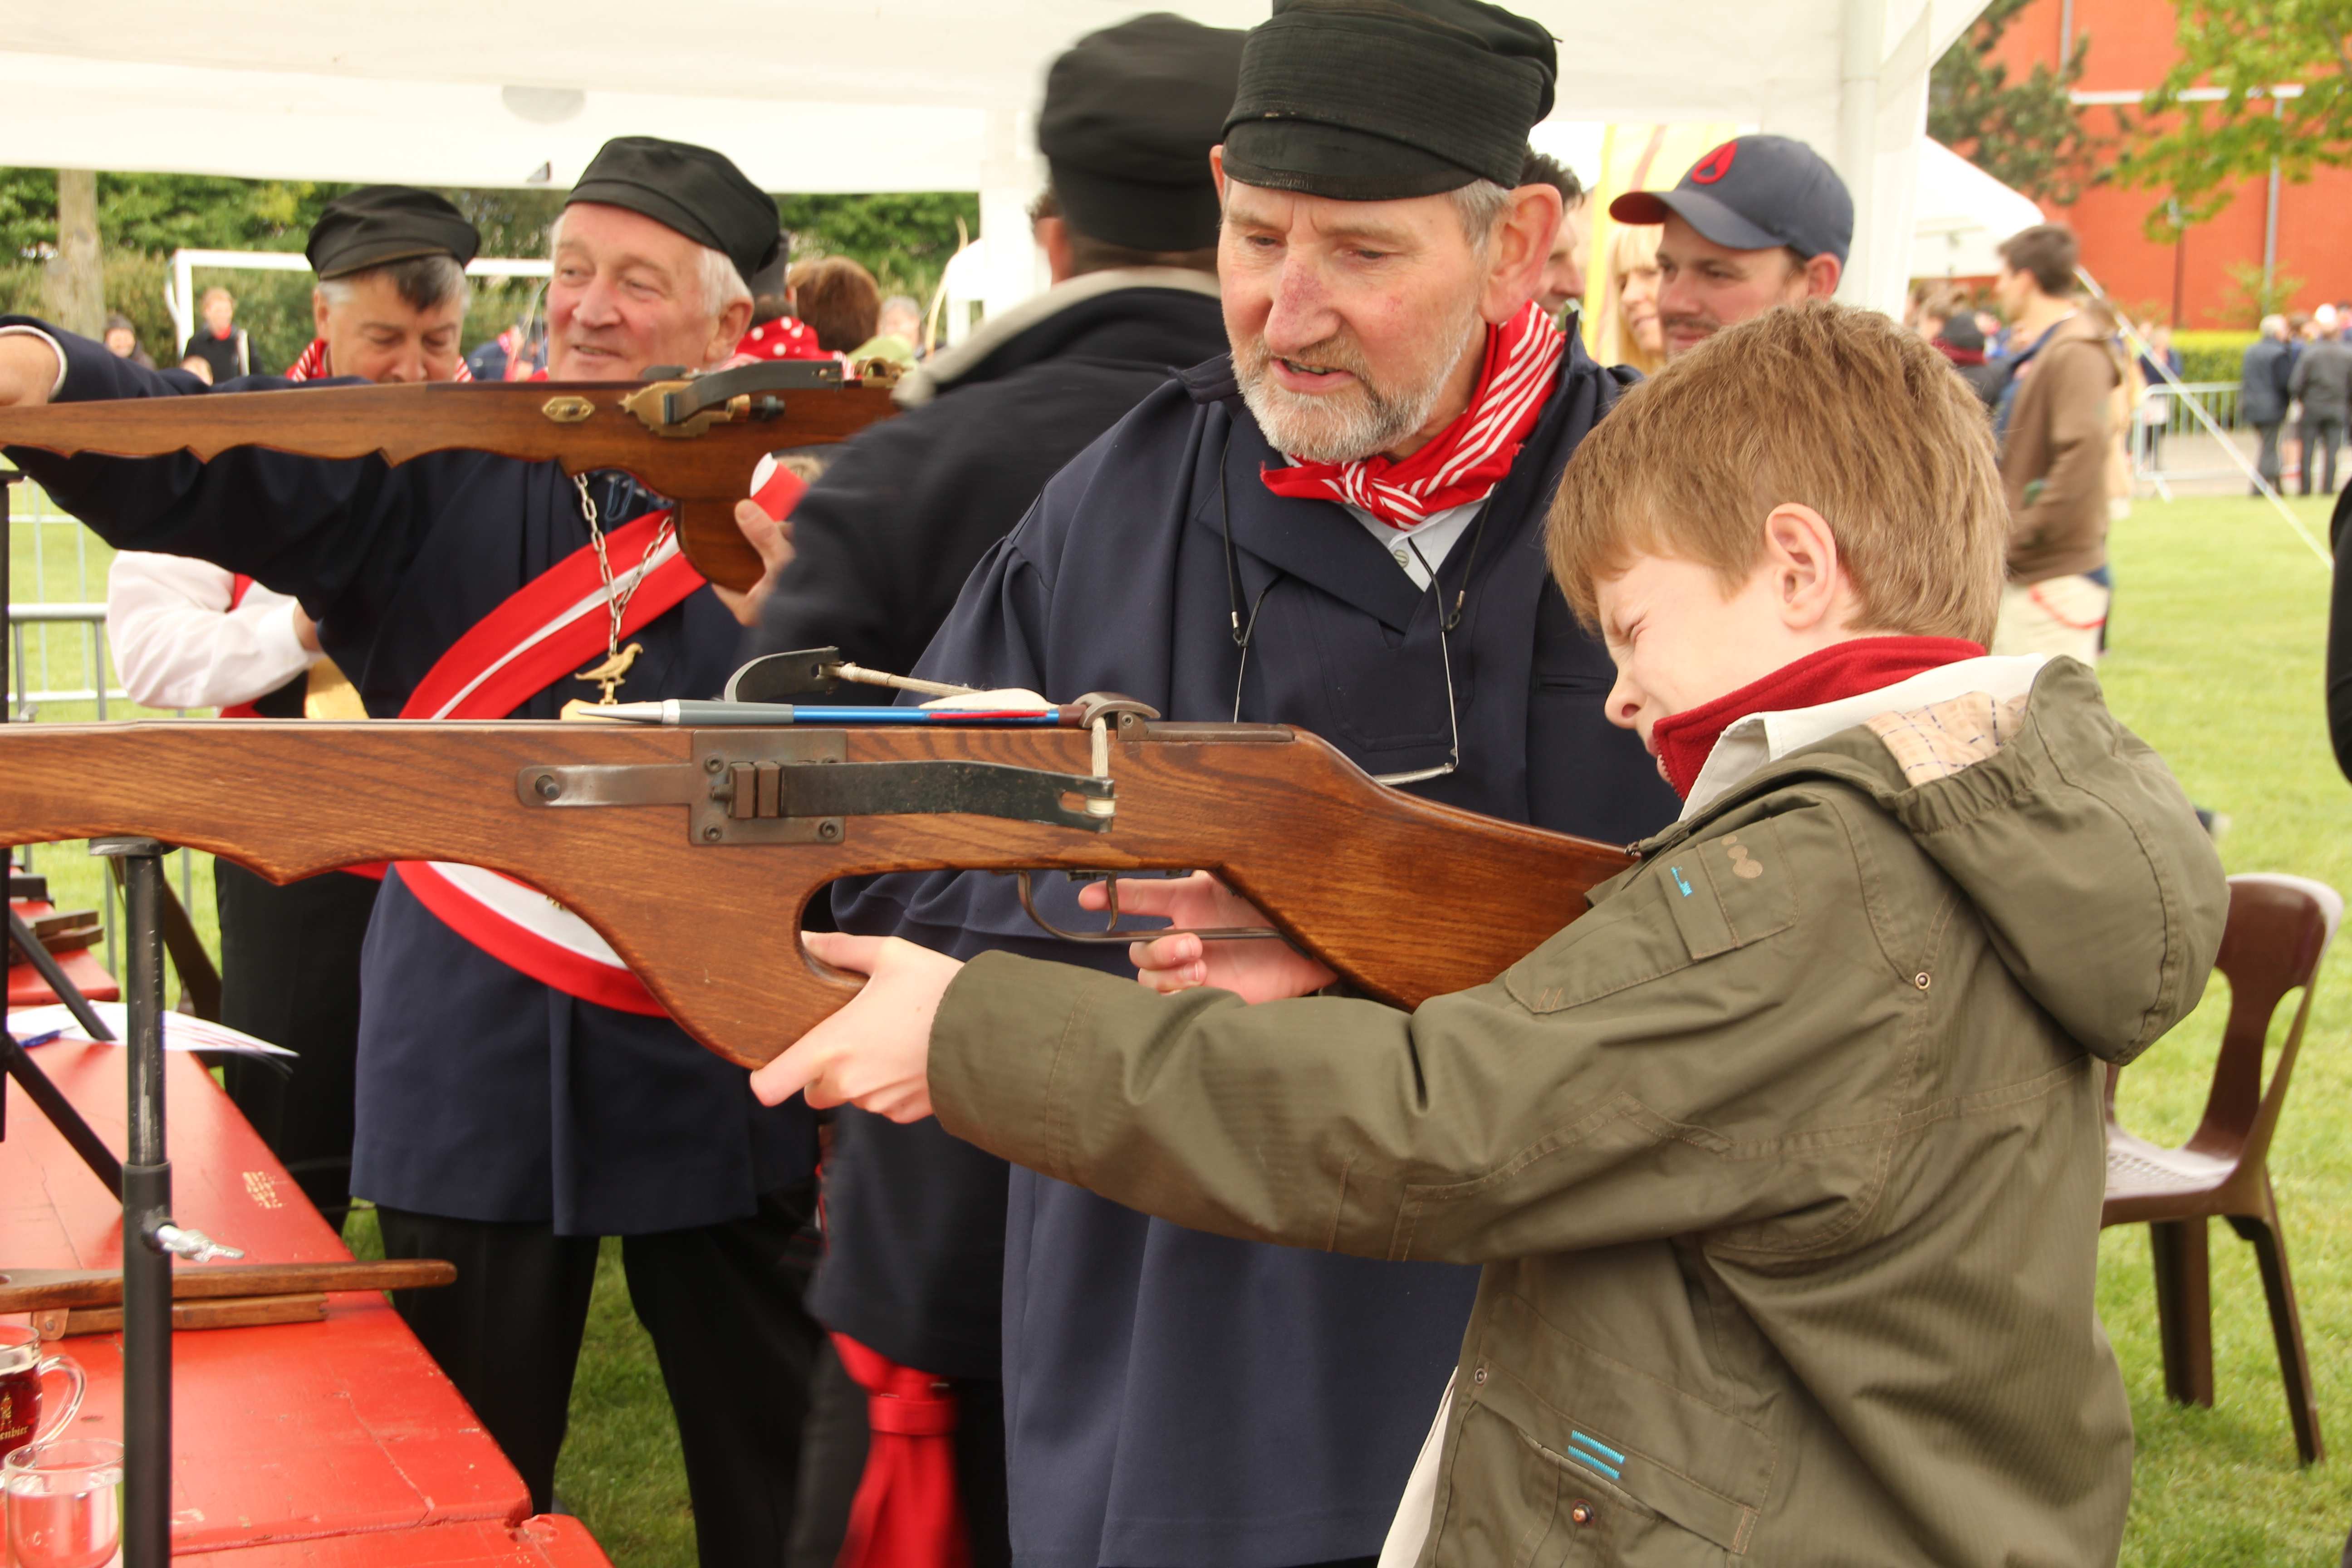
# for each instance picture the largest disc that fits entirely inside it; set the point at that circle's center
(1244, 632)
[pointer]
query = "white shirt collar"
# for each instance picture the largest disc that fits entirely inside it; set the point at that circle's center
(1750, 743)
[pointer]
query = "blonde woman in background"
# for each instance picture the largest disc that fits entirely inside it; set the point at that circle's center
(1627, 322)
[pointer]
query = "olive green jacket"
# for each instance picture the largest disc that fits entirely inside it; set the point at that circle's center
(1785, 1160)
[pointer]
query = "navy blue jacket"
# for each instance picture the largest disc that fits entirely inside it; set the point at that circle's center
(1173, 1397)
(482, 1094)
(884, 540)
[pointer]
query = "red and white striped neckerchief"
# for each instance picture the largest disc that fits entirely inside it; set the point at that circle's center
(312, 365)
(1470, 456)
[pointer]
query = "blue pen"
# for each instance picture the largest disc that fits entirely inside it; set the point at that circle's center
(714, 715)
(43, 1039)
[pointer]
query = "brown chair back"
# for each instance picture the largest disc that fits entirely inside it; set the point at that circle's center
(2278, 931)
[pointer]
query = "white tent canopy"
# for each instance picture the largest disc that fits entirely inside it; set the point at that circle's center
(884, 95)
(1963, 213)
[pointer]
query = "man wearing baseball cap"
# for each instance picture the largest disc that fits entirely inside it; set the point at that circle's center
(1760, 221)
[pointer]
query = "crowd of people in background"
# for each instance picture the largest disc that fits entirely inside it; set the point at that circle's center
(2298, 375)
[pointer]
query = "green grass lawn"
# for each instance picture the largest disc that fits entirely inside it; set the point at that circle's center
(2217, 638)
(2218, 632)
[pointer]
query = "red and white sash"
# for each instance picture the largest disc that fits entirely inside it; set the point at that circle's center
(542, 633)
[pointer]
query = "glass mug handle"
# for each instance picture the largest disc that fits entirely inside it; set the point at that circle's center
(73, 1372)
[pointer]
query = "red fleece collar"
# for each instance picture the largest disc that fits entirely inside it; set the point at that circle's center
(1828, 675)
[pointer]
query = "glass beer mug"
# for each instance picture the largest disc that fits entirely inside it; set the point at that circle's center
(22, 1367)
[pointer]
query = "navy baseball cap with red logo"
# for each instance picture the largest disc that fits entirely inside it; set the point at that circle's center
(1756, 192)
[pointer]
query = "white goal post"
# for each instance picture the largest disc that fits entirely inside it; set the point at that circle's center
(180, 297)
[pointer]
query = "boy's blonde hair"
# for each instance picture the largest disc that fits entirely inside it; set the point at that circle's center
(1835, 408)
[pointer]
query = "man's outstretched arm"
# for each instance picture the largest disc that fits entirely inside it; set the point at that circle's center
(308, 527)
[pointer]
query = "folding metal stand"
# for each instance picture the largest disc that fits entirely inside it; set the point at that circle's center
(146, 1210)
(143, 1182)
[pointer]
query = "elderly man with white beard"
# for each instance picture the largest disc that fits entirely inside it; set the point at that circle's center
(1337, 526)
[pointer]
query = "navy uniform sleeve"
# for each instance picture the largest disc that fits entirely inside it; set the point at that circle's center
(851, 558)
(310, 527)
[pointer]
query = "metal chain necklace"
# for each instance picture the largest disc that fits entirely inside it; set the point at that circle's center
(616, 600)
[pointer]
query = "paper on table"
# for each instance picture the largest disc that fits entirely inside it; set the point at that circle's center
(181, 1031)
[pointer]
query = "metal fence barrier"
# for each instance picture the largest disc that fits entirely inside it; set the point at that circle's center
(86, 622)
(2169, 444)
(33, 636)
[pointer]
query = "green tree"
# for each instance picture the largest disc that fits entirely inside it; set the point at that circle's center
(904, 238)
(2023, 133)
(166, 212)
(2196, 151)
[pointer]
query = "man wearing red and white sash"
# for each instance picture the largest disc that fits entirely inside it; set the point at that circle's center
(519, 1096)
(389, 303)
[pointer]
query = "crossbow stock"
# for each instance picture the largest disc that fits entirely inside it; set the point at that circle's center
(695, 852)
(693, 439)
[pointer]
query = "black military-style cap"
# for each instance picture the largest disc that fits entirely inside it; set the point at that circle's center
(1756, 192)
(1378, 100)
(1130, 114)
(699, 192)
(378, 225)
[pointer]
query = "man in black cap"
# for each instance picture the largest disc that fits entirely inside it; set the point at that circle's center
(519, 1096)
(390, 305)
(390, 302)
(1760, 221)
(884, 541)
(1336, 524)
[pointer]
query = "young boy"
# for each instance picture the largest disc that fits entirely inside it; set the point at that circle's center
(1785, 1160)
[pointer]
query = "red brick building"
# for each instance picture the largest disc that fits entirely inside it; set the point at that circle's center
(2306, 229)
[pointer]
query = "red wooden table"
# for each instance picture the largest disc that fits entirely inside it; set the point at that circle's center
(26, 988)
(325, 1445)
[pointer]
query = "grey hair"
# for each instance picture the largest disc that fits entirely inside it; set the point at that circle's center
(1479, 204)
(717, 282)
(2273, 326)
(426, 282)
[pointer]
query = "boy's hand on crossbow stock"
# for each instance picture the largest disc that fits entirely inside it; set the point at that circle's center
(1264, 969)
(876, 1053)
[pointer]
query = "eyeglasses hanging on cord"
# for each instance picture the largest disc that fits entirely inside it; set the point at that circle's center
(1244, 628)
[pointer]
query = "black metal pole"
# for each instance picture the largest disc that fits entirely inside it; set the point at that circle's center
(146, 1209)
